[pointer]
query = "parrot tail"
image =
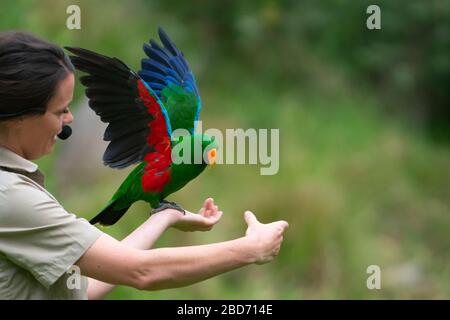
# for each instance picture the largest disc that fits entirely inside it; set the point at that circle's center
(109, 215)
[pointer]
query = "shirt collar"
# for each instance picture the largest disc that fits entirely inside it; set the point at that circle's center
(10, 159)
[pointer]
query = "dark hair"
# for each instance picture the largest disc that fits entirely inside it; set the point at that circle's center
(30, 70)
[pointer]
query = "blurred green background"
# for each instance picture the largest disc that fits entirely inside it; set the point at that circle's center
(364, 136)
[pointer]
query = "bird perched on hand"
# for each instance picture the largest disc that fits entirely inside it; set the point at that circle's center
(142, 110)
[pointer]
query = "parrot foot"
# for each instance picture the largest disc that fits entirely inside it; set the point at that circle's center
(163, 205)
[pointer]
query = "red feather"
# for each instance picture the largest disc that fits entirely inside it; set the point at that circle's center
(157, 171)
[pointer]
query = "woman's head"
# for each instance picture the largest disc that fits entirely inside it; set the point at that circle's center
(36, 86)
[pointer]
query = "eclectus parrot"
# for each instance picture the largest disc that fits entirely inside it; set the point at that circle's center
(142, 110)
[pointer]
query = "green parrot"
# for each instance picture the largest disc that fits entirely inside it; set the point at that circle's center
(142, 110)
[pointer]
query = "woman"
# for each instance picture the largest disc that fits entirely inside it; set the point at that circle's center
(40, 241)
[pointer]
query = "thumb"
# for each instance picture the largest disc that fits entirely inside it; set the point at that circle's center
(250, 218)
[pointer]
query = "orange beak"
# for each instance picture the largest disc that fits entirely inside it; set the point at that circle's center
(212, 154)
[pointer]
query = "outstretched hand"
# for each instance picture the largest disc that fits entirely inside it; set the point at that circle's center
(265, 238)
(206, 218)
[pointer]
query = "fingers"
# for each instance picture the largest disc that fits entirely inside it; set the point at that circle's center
(250, 218)
(204, 211)
(213, 218)
(211, 221)
(209, 208)
(208, 204)
(218, 216)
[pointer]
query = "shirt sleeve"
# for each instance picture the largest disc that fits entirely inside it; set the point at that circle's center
(37, 234)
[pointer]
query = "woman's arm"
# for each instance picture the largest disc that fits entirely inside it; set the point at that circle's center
(146, 235)
(110, 261)
(142, 238)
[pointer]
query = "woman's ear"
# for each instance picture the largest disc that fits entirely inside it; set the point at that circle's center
(5, 126)
(17, 123)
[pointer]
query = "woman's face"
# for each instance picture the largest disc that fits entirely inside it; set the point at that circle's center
(38, 133)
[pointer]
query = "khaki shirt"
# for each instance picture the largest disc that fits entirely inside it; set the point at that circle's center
(39, 240)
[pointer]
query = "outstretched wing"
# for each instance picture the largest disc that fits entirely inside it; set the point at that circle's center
(167, 73)
(139, 128)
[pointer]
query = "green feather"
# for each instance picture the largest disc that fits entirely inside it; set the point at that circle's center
(181, 106)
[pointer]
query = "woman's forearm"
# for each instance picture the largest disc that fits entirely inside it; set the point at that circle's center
(142, 238)
(145, 236)
(176, 267)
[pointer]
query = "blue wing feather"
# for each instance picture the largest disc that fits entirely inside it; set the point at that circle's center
(167, 65)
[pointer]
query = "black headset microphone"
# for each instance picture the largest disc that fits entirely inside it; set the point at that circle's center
(65, 133)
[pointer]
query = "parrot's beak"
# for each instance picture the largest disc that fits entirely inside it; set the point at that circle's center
(212, 154)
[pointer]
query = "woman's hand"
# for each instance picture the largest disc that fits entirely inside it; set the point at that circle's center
(265, 239)
(206, 218)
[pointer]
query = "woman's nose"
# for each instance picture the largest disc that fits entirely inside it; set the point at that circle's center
(68, 118)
